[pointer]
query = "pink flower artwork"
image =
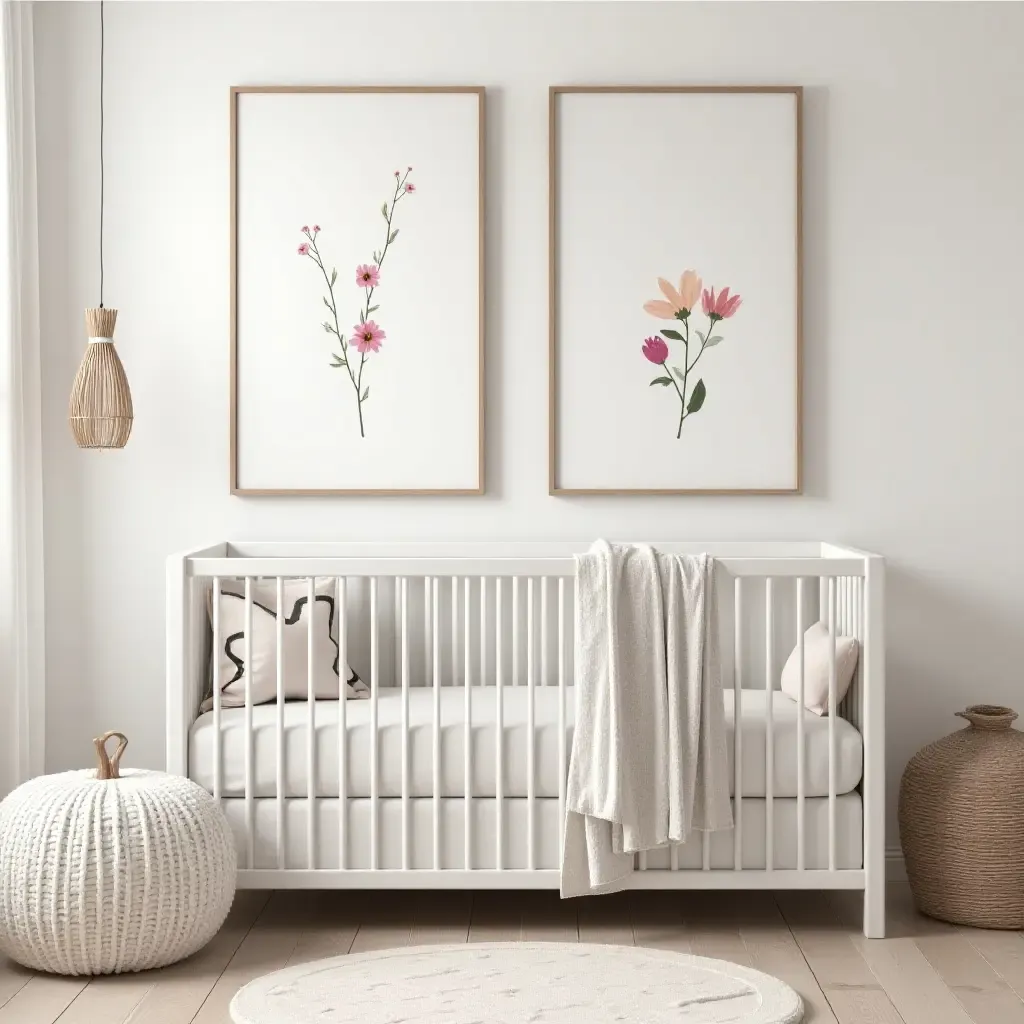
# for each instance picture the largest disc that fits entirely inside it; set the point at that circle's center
(368, 275)
(656, 350)
(367, 336)
(678, 304)
(722, 307)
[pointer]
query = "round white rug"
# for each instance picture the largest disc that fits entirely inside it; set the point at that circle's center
(517, 983)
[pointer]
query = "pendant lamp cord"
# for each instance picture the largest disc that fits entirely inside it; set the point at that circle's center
(102, 42)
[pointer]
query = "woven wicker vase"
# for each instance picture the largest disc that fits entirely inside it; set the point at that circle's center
(961, 817)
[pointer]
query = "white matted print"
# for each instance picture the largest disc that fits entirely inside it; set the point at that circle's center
(675, 290)
(357, 332)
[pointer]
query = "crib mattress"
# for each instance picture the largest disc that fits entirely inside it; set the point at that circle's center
(849, 751)
(515, 850)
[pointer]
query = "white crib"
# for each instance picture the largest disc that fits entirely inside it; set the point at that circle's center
(452, 774)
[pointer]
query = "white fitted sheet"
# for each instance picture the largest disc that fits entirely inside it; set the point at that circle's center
(515, 851)
(296, 716)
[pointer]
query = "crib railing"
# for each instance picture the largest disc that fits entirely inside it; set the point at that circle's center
(448, 616)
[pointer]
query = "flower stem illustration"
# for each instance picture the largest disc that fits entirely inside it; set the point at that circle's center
(367, 336)
(678, 305)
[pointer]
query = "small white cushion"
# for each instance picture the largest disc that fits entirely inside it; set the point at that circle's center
(230, 651)
(816, 650)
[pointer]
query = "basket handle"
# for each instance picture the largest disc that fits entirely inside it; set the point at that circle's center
(109, 767)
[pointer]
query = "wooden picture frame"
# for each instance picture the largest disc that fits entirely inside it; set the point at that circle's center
(472, 480)
(789, 482)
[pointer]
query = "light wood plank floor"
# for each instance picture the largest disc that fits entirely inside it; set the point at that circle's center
(926, 972)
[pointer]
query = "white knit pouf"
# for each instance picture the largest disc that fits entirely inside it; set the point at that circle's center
(103, 871)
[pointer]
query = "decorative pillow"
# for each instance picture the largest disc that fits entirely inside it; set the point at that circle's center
(231, 648)
(816, 645)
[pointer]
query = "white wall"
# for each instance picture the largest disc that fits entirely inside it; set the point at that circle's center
(914, 215)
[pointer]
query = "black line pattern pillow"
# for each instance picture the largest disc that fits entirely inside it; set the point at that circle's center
(230, 650)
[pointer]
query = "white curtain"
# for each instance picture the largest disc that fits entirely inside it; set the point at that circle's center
(21, 492)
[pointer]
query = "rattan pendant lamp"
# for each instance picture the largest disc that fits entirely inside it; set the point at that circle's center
(100, 410)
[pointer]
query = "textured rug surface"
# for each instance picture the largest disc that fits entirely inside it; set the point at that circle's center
(517, 983)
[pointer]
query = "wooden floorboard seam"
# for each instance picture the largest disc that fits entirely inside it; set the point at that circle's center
(242, 937)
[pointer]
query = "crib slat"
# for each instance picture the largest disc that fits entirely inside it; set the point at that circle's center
(403, 633)
(483, 630)
(844, 629)
(769, 724)
(218, 769)
(426, 628)
(800, 784)
(250, 806)
(467, 732)
(737, 733)
(311, 729)
(562, 766)
(342, 606)
(515, 630)
(374, 687)
(455, 631)
(858, 632)
(279, 749)
(531, 726)
(831, 724)
(436, 644)
(499, 733)
(544, 653)
(396, 628)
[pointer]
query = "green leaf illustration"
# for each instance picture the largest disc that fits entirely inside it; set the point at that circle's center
(697, 397)
(713, 341)
(327, 327)
(701, 335)
(384, 210)
(376, 256)
(362, 317)
(327, 304)
(366, 395)
(674, 335)
(663, 381)
(679, 373)
(334, 276)
(373, 309)
(337, 360)
(392, 236)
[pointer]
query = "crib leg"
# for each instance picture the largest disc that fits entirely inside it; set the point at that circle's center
(874, 906)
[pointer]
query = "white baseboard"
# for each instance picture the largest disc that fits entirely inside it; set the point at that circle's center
(895, 868)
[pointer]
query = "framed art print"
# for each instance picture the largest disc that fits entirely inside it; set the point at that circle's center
(675, 290)
(357, 290)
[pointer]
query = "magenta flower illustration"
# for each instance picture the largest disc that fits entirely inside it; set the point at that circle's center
(678, 304)
(367, 336)
(656, 350)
